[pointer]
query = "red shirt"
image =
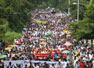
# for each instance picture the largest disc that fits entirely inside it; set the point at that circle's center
(52, 54)
(82, 65)
(58, 52)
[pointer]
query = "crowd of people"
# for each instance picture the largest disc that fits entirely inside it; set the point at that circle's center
(47, 38)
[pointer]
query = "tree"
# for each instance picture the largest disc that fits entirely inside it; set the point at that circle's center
(3, 27)
(84, 29)
(16, 12)
(14, 15)
(10, 36)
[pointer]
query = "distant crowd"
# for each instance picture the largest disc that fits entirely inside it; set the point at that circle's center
(47, 38)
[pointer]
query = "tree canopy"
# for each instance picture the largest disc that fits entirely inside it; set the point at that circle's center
(14, 14)
(84, 29)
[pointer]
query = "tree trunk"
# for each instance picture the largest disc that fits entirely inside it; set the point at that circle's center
(91, 42)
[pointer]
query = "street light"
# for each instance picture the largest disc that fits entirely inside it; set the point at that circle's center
(74, 3)
(77, 9)
(68, 7)
(78, 4)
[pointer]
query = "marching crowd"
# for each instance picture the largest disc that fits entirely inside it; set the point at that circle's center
(47, 38)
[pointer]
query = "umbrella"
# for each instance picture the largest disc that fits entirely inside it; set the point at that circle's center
(25, 29)
(48, 34)
(38, 22)
(43, 43)
(22, 46)
(67, 52)
(31, 39)
(11, 46)
(45, 37)
(42, 39)
(65, 31)
(3, 56)
(53, 41)
(41, 19)
(68, 43)
(43, 22)
(8, 48)
(37, 38)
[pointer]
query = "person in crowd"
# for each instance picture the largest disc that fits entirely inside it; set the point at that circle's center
(1, 64)
(31, 66)
(10, 65)
(46, 65)
(77, 65)
(36, 65)
(82, 64)
(59, 65)
(52, 66)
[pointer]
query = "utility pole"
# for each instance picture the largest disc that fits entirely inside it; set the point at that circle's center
(78, 10)
(68, 7)
(91, 1)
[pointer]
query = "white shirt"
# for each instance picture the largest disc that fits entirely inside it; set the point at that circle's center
(93, 63)
(36, 67)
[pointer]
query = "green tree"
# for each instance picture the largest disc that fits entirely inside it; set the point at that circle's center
(14, 15)
(84, 29)
(3, 27)
(16, 12)
(10, 36)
